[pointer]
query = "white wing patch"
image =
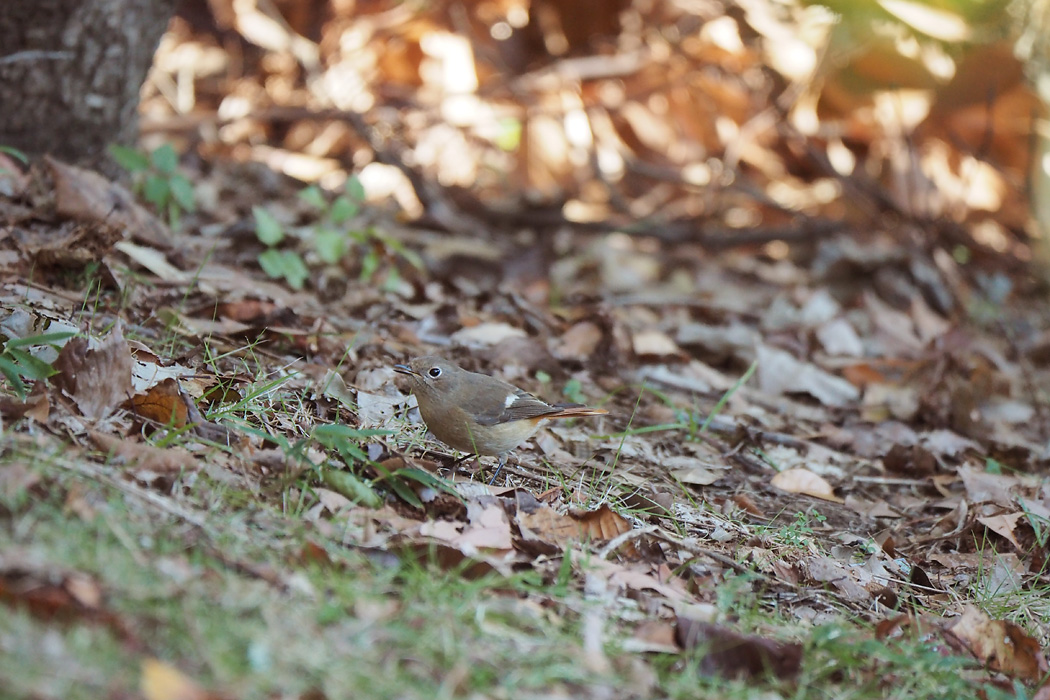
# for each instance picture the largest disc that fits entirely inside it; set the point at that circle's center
(510, 400)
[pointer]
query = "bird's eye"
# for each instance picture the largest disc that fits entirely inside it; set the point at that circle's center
(434, 372)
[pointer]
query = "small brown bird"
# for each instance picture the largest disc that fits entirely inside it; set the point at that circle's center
(479, 414)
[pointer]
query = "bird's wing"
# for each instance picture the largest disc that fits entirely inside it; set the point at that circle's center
(519, 405)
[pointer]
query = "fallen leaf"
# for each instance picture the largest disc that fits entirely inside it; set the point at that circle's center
(578, 343)
(95, 374)
(839, 338)
(486, 334)
(653, 343)
(699, 476)
(779, 372)
(86, 195)
(732, 655)
(1002, 645)
(982, 487)
(912, 460)
(36, 406)
(806, 482)
(652, 636)
(827, 570)
(145, 459)
(1003, 525)
(154, 261)
(547, 524)
(161, 681)
(163, 404)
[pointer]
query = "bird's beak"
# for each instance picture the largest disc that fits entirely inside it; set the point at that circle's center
(405, 369)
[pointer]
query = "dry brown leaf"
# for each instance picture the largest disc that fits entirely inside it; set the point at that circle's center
(733, 655)
(54, 594)
(982, 487)
(489, 527)
(547, 524)
(163, 404)
(155, 261)
(36, 406)
(85, 195)
(653, 636)
(486, 334)
(161, 681)
(912, 460)
(654, 343)
(578, 343)
(1002, 645)
(871, 509)
(15, 479)
(827, 570)
(806, 482)
(779, 372)
(840, 338)
(96, 375)
(143, 458)
(1003, 525)
(631, 577)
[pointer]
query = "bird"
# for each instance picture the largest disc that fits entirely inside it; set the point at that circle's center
(478, 414)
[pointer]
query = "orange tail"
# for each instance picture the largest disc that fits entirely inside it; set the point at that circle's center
(573, 411)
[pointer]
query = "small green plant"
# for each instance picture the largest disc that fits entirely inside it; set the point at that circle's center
(19, 365)
(799, 533)
(276, 263)
(155, 177)
(343, 441)
(331, 238)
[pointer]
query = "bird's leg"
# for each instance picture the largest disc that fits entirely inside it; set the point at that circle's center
(502, 461)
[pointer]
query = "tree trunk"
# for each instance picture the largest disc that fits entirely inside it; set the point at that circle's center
(70, 73)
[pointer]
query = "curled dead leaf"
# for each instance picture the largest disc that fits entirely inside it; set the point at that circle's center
(805, 482)
(547, 524)
(95, 374)
(1002, 645)
(163, 404)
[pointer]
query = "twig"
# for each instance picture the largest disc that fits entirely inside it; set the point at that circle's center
(616, 542)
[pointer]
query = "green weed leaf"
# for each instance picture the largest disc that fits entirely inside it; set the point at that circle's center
(345, 483)
(267, 228)
(11, 372)
(165, 159)
(313, 196)
(130, 159)
(30, 367)
(156, 190)
(354, 189)
(182, 192)
(295, 271)
(43, 339)
(330, 246)
(342, 209)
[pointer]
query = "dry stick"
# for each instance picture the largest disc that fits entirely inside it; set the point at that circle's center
(618, 541)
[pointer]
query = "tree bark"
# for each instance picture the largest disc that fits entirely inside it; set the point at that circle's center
(70, 73)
